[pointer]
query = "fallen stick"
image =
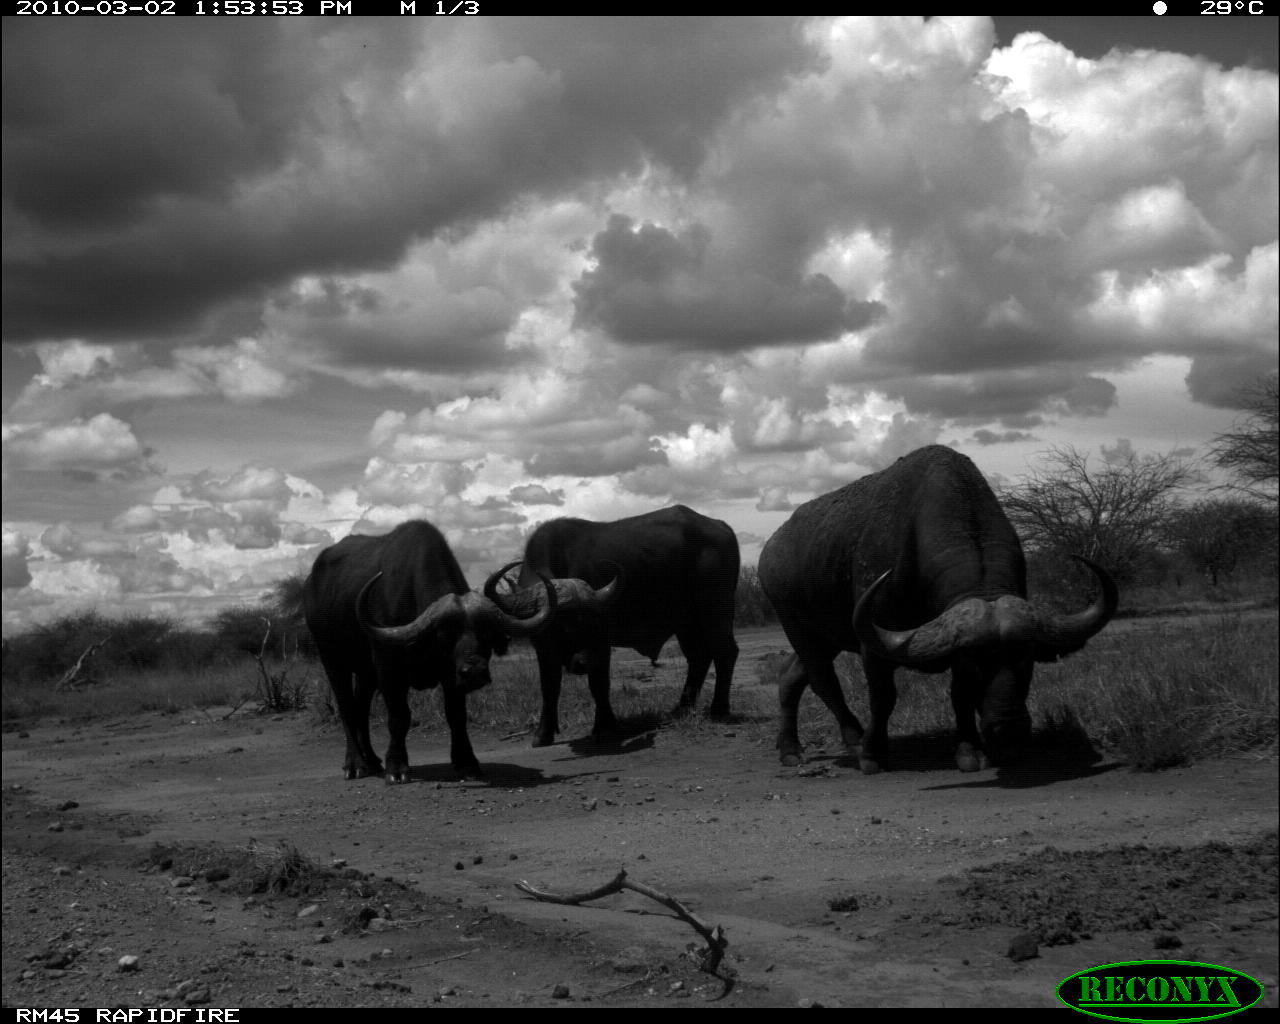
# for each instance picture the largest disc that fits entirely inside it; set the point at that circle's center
(429, 963)
(716, 941)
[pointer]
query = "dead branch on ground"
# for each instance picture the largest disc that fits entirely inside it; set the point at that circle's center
(74, 676)
(715, 938)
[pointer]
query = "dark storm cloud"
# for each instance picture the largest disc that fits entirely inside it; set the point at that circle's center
(536, 494)
(598, 459)
(990, 437)
(1006, 395)
(181, 168)
(1223, 379)
(650, 285)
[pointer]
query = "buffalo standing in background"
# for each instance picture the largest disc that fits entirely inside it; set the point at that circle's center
(924, 549)
(631, 583)
(408, 576)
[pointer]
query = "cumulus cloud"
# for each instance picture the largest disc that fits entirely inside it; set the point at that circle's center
(250, 482)
(65, 541)
(774, 499)
(101, 446)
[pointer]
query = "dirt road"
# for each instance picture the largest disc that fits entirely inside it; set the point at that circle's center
(831, 887)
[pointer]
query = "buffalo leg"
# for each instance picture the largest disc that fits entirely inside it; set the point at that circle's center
(699, 661)
(549, 673)
(366, 687)
(791, 686)
(882, 696)
(360, 759)
(397, 700)
(460, 752)
(969, 756)
(606, 726)
(821, 673)
(726, 656)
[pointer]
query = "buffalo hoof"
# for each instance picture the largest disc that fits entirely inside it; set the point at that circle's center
(718, 713)
(969, 758)
(469, 771)
(792, 760)
(544, 740)
(870, 766)
(681, 709)
(359, 771)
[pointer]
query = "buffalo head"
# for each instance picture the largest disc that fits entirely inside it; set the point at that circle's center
(990, 646)
(579, 617)
(463, 629)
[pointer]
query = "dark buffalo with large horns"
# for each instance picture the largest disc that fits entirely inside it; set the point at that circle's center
(634, 583)
(445, 636)
(916, 565)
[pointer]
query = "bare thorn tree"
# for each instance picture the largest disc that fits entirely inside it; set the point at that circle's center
(1251, 450)
(1113, 512)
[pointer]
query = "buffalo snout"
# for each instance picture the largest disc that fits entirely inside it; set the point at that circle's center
(473, 676)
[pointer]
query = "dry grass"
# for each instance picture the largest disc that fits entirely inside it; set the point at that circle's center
(1155, 694)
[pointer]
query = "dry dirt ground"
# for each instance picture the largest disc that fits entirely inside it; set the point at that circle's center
(147, 837)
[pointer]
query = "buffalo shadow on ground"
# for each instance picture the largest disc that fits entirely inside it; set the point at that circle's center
(1056, 754)
(500, 774)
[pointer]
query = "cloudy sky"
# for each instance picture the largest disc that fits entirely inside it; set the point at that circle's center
(270, 282)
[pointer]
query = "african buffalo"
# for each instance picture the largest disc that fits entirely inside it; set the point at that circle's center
(632, 583)
(407, 576)
(924, 548)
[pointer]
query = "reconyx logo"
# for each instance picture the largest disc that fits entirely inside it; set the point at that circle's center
(1161, 990)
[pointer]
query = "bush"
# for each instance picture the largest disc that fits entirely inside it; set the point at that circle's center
(750, 605)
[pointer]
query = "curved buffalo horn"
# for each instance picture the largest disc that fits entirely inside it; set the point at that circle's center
(1065, 633)
(570, 593)
(491, 584)
(911, 646)
(528, 625)
(435, 614)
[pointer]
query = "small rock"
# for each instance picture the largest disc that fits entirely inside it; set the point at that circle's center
(588, 805)
(1024, 946)
(810, 1004)
(182, 881)
(307, 911)
(560, 992)
(67, 805)
(1168, 940)
(477, 859)
(56, 827)
(61, 871)
(127, 963)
